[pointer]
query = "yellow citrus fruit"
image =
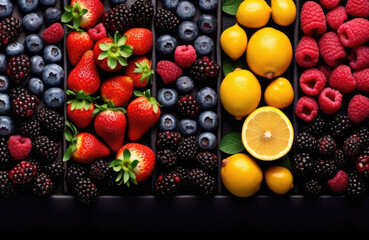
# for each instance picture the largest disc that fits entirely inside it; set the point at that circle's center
(279, 93)
(267, 133)
(283, 12)
(240, 93)
(253, 13)
(231, 37)
(279, 179)
(269, 52)
(241, 175)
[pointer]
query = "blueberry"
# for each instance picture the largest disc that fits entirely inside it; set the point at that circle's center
(170, 5)
(27, 6)
(208, 5)
(185, 84)
(33, 43)
(208, 120)
(4, 103)
(185, 10)
(32, 22)
(38, 64)
(7, 126)
(187, 127)
(207, 98)
(48, 3)
(52, 75)
(166, 45)
(36, 86)
(115, 2)
(52, 15)
(4, 83)
(203, 45)
(207, 23)
(207, 141)
(167, 97)
(52, 54)
(14, 49)
(54, 97)
(3, 62)
(188, 31)
(167, 122)
(6, 8)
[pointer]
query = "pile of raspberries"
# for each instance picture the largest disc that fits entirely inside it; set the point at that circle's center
(333, 56)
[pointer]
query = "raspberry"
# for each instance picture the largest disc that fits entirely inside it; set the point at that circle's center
(359, 57)
(307, 52)
(362, 165)
(362, 79)
(326, 70)
(354, 32)
(357, 8)
(185, 56)
(19, 147)
(342, 79)
(54, 33)
(338, 183)
(98, 32)
(329, 4)
(313, 20)
(169, 71)
(336, 17)
(331, 50)
(330, 100)
(312, 81)
(307, 108)
(358, 108)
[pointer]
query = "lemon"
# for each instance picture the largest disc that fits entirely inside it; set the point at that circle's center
(279, 93)
(283, 12)
(279, 179)
(241, 175)
(269, 52)
(253, 13)
(267, 133)
(240, 93)
(231, 37)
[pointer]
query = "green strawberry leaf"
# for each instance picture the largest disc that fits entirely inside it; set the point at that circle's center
(122, 61)
(126, 154)
(103, 55)
(134, 163)
(122, 40)
(119, 177)
(138, 93)
(125, 177)
(104, 46)
(67, 16)
(112, 63)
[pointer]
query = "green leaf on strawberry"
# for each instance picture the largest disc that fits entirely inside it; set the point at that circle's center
(124, 167)
(73, 13)
(70, 136)
(80, 100)
(147, 94)
(145, 69)
(107, 106)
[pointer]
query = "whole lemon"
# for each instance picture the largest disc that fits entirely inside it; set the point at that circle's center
(231, 37)
(253, 13)
(241, 175)
(283, 12)
(269, 52)
(278, 179)
(279, 93)
(240, 93)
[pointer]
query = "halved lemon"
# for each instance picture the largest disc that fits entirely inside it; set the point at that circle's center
(267, 134)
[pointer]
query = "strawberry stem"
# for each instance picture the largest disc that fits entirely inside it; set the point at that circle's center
(73, 13)
(80, 100)
(144, 68)
(124, 167)
(70, 136)
(147, 94)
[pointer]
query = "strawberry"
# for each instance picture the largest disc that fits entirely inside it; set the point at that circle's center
(80, 109)
(83, 13)
(85, 75)
(117, 89)
(134, 163)
(142, 114)
(84, 147)
(111, 53)
(141, 39)
(78, 42)
(139, 69)
(110, 125)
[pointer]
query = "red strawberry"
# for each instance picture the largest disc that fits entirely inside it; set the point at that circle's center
(84, 147)
(83, 13)
(141, 39)
(117, 89)
(110, 125)
(111, 54)
(142, 114)
(85, 75)
(78, 42)
(139, 69)
(80, 109)
(134, 162)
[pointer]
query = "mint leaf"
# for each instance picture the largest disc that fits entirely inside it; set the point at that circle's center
(231, 6)
(230, 65)
(231, 143)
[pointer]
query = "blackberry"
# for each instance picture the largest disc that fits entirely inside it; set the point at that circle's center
(45, 149)
(204, 69)
(352, 145)
(10, 29)
(30, 128)
(17, 91)
(75, 172)
(326, 145)
(120, 18)
(312, 188)
(207, 160)
(23, 103)
(362, 165)
(324, 168)
(166, 158)
(356, 187)
(339, 126)
(363, 134)
(143, 11)
(55, 170)
(167, 183)
(316, 127)
(340, 159)
(168, 140)
(5, 158)
(6, 185)
(302, 164)
(52, 121)
(99, 170)
(187, 106)
(19, 68)
(187, 149)
(42, 185)
(202, 182)
(183, 174)
(35, 162)
(165, 21)
(86, 191)
(306, 142)
(23, 172)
